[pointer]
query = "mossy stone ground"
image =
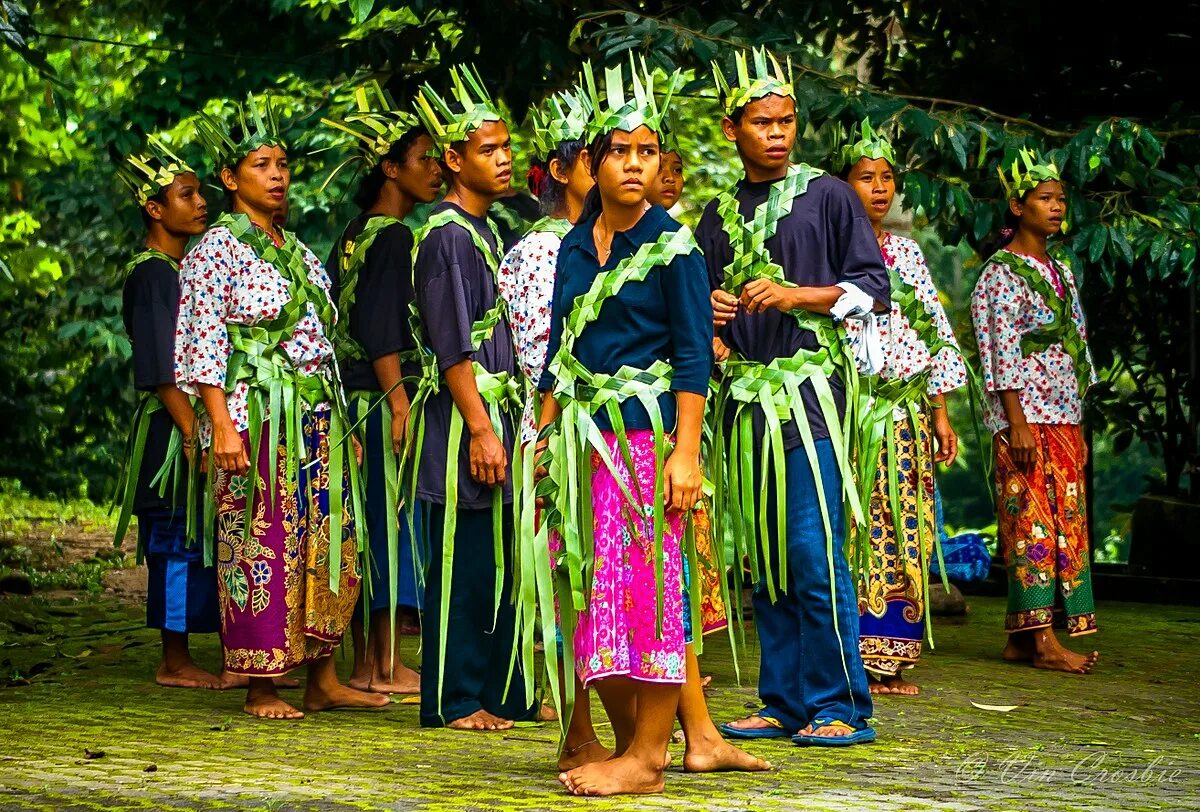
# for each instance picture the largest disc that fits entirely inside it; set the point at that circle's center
(79, 682)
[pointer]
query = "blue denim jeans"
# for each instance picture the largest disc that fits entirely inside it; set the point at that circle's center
(808, 670)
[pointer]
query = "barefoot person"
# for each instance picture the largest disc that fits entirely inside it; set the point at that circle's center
(629, 361)
(785, 248)
(559, 177)
(181, 593)
(705, 749)
(1036, 369)
(371, 269)
(921, 363)
(465, 429)
(252, 342)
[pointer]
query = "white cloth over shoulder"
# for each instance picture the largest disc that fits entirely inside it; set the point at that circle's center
(867, 342)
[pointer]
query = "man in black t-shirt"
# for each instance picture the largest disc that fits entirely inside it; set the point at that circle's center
(181, 595)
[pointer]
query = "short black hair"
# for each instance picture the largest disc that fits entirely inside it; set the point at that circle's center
(158, 197)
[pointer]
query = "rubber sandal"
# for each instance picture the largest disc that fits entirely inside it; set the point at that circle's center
(859, 736)
(775, 731)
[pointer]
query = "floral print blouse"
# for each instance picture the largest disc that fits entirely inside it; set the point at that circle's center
(1004, 309)
(526, 282)
(222, 280)
(905, 354)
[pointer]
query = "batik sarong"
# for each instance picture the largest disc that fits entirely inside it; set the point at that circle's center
(617, 634)
(891, 589)
(1043, 532)
(277, 608)
(712, 604)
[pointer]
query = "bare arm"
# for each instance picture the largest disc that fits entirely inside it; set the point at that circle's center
(387, 372)
(1019, 437)
(488, 457)
(947, 440)
(180, 408)
(682, 480)
(228, 449)
(763, 294)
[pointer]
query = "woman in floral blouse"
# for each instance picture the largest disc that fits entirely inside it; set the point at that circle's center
(252, 342)
(1036, 369)
(921, 363)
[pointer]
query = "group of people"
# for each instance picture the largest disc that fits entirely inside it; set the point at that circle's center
(596, 434)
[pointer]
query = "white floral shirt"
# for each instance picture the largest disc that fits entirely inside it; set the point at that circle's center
(526, 282)
(222, 280)
(1004, 309)
(905, 354)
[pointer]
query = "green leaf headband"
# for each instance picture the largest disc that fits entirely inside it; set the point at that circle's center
(562, 117)
(871, 144)
(1018, 183)
(769, 79)
(446, 125)
(376, 127)
(148, 173)
(615, 111)
(260, 128)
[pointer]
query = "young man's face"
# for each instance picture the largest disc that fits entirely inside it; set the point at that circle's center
(483, 163)
(765, 134)
(183, 210)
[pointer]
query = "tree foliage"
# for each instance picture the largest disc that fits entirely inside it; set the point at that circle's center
(81, 83)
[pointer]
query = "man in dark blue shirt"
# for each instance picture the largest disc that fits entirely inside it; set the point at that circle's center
(463, 476)
(782, 248)
(181, 594)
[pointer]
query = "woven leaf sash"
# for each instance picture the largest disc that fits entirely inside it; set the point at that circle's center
(558, 226)
(751, 260)
(173, 464)
(278, 390)
(353, 258)
(1062, 328)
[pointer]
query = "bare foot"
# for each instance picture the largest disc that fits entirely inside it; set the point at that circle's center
(480, 720)
(754, 722)
(586, 753)
(229, 681)
(341, 697)
(547, 713)
(1063, 659)
(617, 776)
(268, 705)
(705, 681)
(189, 675)
(1017, 651)
(719, 755)
(830, 730)
(403, 680)
(895, 685)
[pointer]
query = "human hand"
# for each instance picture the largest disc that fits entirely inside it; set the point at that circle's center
(725, 307)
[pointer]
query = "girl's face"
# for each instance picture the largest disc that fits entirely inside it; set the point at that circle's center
(578, 179)
(1043, 210)
(875, 183)
(420, 175)
(629, 167)
(183, 210)
(261, 179)
(668, 185)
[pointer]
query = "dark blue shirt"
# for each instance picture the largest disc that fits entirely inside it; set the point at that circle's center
(666, 317)
(824, 240)
(454, 288)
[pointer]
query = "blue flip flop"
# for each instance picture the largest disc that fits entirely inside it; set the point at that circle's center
(775, 731)
(860, 736)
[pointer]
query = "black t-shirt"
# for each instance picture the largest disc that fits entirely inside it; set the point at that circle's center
(454, 288)
(150, 305)
(824, 240)
(379, 317)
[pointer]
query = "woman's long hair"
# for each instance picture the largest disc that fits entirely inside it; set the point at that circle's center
(369, 186)
(1002, 236)
(597, 151)
(550, 192)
